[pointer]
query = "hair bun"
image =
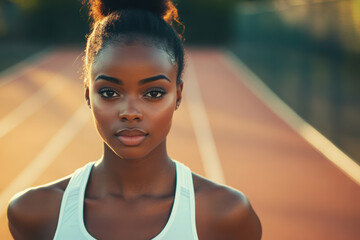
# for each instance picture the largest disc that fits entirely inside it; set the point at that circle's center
(163, 8)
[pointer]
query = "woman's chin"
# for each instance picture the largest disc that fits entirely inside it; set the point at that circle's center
(130, 153)
(134, 152)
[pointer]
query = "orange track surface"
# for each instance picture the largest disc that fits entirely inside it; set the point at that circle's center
(296, 191)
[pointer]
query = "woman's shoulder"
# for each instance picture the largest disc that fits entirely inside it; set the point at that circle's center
(225, 212)
(34, 212)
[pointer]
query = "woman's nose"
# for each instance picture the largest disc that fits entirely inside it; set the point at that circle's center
(129, 111)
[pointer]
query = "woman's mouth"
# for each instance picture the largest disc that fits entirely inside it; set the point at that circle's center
(131, 137)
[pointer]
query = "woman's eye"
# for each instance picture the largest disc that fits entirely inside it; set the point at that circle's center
(108, 93)
(155, 94)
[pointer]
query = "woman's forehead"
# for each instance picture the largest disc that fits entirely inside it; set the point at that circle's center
(120, 54)
(136, 58)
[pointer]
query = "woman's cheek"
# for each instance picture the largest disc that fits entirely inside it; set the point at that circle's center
(103, 115)
(165, 114)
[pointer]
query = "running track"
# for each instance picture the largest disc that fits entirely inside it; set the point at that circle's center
(300, 185)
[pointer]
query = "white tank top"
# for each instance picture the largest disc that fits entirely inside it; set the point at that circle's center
(180, 225)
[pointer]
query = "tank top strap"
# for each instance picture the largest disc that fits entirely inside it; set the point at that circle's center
(188, 195)
(72, 206)
(181, 223)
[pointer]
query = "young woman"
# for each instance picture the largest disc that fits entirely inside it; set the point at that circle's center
(134, 62)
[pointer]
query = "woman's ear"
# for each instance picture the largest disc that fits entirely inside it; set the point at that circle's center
(87, 97)
(179, 89)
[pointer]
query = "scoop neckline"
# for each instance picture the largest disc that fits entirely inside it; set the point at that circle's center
(172, 212)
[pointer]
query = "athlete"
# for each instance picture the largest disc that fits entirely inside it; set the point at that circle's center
(134, 61)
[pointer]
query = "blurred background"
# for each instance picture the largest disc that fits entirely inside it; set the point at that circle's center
(306, 51)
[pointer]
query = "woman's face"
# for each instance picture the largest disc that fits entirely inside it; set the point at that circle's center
(133, 93)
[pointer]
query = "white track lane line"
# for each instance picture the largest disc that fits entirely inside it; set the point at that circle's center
(304, 129)
(23, 67)
(31, 105)
(48, 154)
(207, 147)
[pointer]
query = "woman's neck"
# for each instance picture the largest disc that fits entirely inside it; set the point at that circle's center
(133, 178)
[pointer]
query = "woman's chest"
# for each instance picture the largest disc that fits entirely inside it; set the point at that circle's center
(119, 219)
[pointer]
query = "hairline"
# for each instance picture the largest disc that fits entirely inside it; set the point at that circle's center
(130, 39)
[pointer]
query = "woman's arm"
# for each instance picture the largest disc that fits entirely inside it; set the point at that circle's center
(226, 213)
(240, 220)
(33, 213)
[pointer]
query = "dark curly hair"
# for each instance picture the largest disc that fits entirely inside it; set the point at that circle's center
(128, 20)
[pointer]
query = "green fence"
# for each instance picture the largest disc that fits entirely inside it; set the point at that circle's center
(308, 54)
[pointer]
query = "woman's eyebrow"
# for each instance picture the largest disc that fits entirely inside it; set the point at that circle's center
(110, 79)
(154, 78)
(141, 82)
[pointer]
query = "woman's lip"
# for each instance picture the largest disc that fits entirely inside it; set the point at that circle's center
(131, 136)
(131, 132)
(131, 140)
